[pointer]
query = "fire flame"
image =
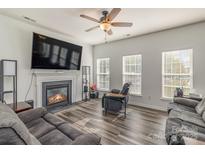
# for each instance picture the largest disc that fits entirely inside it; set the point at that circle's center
(56, 99)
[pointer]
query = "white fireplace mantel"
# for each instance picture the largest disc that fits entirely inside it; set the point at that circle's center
(40, 78)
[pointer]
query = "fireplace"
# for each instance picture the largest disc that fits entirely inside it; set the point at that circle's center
(56, 94)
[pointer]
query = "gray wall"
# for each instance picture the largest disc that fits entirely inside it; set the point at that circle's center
(151, 47)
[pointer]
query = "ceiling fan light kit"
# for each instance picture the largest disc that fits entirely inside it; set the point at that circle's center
(105, 26)
(105, 22)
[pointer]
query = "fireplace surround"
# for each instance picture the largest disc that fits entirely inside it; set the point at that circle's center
(56, 94)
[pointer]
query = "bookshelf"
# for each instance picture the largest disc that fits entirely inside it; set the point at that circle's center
(85, 83)
(8, 69)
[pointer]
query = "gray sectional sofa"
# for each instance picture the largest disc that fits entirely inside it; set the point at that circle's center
(37, 126)
(186, 119)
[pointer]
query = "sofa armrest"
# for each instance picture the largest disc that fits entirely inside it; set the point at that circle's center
(32, 114)
(196, 98)
(87, 139)
(186, 101)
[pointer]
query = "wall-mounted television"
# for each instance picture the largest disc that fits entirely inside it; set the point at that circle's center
(50, 53)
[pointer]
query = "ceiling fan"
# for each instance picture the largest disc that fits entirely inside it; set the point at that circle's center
(106, 21)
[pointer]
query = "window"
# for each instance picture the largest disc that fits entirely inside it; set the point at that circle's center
(74, 60)
(103, 74)
(63, 57)
(54, 58)
(177, 72)
(132, 71)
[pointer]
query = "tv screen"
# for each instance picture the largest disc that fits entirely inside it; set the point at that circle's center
(50, 53)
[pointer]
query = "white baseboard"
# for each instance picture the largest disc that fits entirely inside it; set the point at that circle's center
(150, 106)
(144, 105)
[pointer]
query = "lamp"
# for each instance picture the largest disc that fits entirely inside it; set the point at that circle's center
(9, 67)
(105, 26)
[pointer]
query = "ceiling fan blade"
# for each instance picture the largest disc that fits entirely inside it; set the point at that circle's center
(122, 24)
(89, 18)
(92, 28)
(109, 32)
(114, 12)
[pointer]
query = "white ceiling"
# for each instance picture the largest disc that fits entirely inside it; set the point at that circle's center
(68, 21)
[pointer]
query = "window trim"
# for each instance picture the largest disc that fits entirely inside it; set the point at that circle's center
(103, 89)
(162, 71)
(138, 54)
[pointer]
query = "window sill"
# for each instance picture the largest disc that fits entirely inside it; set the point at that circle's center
(103, 90)
(137, 95)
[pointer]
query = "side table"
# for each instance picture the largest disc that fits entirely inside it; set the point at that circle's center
(21, 106)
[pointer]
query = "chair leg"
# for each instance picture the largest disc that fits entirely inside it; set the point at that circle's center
(125, 110)
(105, 107)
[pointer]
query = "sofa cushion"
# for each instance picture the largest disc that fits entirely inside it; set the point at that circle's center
(9, 119)
(39, 127)
(179, 107)
(189, 117)
(54, 120)
(55, 137)
(33, 114)
(186, 101)
(69, 131)
(200, 107)
(87, 139)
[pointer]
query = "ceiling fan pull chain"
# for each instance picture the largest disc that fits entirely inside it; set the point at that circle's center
(105, 37)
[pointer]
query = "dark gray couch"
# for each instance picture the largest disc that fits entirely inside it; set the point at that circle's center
(37, 126)
(186, 118)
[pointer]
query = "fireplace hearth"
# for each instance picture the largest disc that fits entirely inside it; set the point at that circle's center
(56, 94)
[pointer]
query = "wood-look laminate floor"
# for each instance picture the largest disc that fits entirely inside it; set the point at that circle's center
(141, 126)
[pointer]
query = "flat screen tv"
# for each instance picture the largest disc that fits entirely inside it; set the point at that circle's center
(50, 53)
